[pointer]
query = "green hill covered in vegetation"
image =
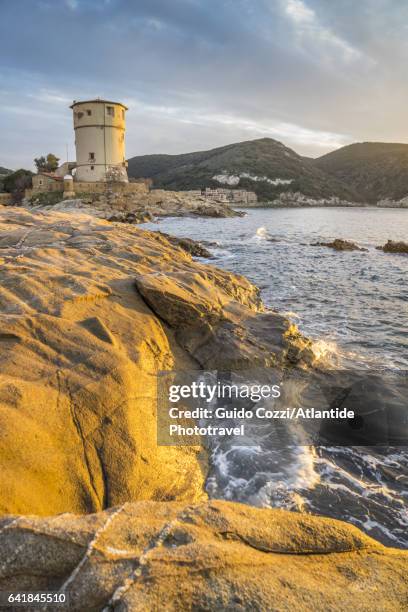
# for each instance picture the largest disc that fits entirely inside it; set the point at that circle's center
(265, 166)
(374, 170)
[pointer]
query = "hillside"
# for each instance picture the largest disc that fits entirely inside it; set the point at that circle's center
(265, 166)
(376, 170)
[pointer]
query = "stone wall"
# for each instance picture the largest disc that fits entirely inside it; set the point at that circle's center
(139, 188)
(82, 187)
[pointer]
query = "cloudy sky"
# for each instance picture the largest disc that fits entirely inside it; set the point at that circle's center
(315, 74)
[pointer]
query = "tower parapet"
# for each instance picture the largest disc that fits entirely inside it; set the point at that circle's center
(100, 141)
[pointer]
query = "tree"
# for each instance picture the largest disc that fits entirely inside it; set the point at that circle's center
(47, 164)
(17, 182)
(52, 162)
(40, 163)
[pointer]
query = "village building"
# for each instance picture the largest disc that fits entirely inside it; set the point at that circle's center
(232, 196)
(221, 195)
(47, 181)
(243, 196)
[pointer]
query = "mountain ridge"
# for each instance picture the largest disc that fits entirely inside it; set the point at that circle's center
(362, 172)
(375, 170)
(264, 165)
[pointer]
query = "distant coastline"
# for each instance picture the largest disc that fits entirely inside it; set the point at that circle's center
(317, 204)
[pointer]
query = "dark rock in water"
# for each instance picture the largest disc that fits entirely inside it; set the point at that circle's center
(131, 217)
(217, 211)
(340, 245)
(394, 247)
(193, 247)
(210, 243)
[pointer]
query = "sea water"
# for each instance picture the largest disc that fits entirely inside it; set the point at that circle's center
(354, 306)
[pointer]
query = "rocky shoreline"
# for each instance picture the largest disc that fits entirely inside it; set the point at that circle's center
(299, 200)
(211, 556)
(91, 311)
(132, 208)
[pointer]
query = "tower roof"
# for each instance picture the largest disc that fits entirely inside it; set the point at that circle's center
(96, 100)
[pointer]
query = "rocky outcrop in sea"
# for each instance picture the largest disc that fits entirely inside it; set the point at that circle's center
(393, 246)
(338, 244)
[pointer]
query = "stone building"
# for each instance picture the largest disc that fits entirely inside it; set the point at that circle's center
(242, 196)
(100, 164)
(47, 181)
(232, 196)
(221, 195)
(100, 140)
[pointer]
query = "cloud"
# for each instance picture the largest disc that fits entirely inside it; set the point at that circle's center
(51, 97)
(292, 133)
(312, 33)
(299, 12)
(202, 73)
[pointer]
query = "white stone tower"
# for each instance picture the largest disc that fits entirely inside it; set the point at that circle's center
(100, 140)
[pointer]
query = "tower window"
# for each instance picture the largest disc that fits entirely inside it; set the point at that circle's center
(92, 167)
(80, 115)
(110, 111)
(89, 112)
(92, 157)
(123, 113)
